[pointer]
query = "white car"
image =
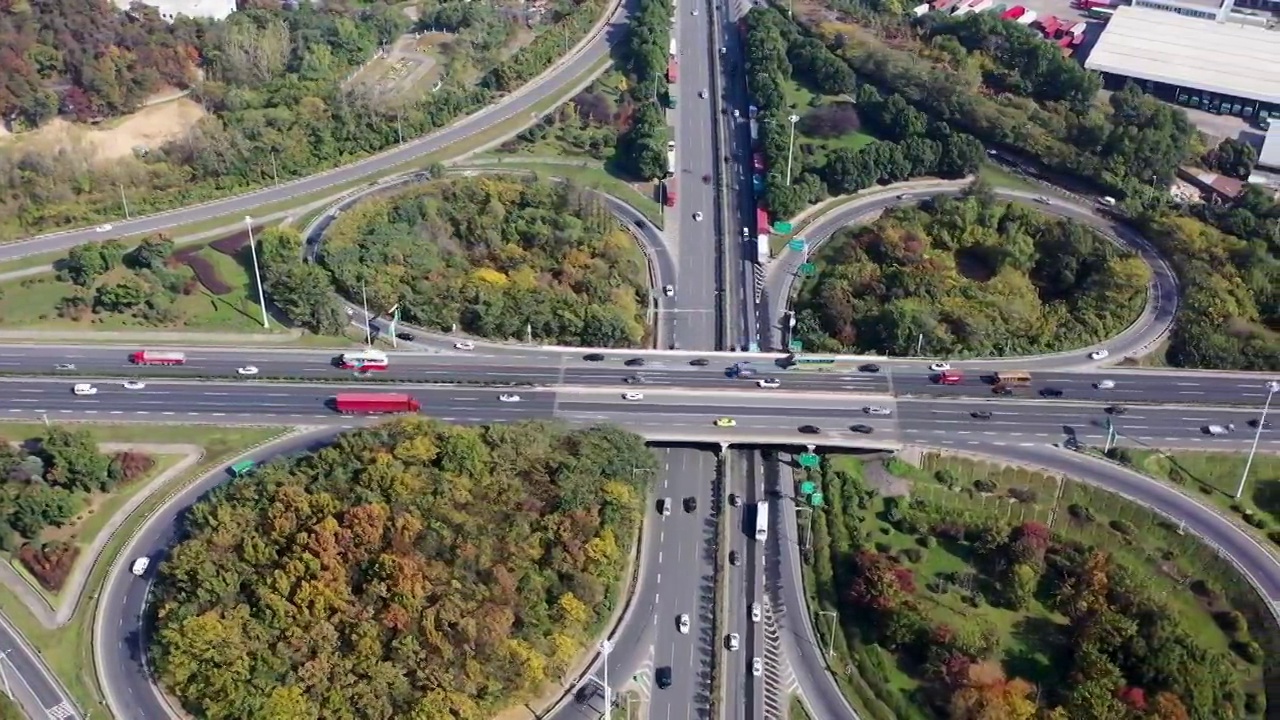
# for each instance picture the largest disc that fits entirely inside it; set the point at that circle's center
(668, 290)
(746, 233)
(697, 217)
(1105, 384)
(134, 384)
(695, 11)
(671, 144)
(105, 227)
(84, 389)
(702, 94)
(734, 641)
(1098, 355)
(755, 612)
(508, 398)
(247, 370)
(757, 667)
(684, 624)
(877, 410)
(140, 566)
(464, 345)
(633, 396)
(1043, 200)
(736, 114)
(940, 367)
(768, 383)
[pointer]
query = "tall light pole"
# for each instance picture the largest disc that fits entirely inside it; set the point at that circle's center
(791, 144)
(831, 638)
(605, 647)
(257, 275)
(1272, 388)
(123, 200)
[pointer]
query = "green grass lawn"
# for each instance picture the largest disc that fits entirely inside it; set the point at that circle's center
(67, 650)
(599, 179)
(1165, 559)
(1001, 177)
(1214, 476)
(796, 709)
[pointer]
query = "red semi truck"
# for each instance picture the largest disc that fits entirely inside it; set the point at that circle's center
(673, 71)
(375, 403)
(669, 192)
(153, 357)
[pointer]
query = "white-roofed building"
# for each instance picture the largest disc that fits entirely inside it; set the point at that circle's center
(170, 9)
(1269, 158)
(1219, 67)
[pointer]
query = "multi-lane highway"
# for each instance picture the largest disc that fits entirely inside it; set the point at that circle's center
(670, 414)
(743, 692)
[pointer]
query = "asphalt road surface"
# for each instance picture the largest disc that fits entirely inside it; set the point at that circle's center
(672, 414)
(902, 378)
(694, 119)
(743, 692)
(27, 680)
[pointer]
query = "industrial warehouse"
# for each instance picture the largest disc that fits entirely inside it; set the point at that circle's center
(1222, 67)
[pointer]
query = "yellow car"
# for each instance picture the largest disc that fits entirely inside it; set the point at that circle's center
(726, 422)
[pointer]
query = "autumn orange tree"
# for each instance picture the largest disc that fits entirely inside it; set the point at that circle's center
(412, 570)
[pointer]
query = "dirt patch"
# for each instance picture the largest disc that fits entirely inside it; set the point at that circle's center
(150, 127)
(205, 271)
(231, 245)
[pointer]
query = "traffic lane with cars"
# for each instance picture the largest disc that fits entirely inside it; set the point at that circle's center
(120, 634)
(686, 586)
(1115, 386)
(1053, 421)
(261, 399)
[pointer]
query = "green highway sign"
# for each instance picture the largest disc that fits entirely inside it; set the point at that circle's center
(795, 346)
(754, 347)
(815, 500)
(807, 460)
(807, 488)
(782, 227)
(808, 269)
(796, 245)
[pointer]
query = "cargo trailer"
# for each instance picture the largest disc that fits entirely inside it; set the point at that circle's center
(375, 403)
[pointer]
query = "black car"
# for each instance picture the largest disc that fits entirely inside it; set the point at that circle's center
(691, 504)
(593, 357)
(1266, 424)
(1002, 390)
(1117, 410)
(634, 362)
(734, 559)
(407, 337)
(864, 429)
(869, 367)
(663, 677)
(980, 415)
(1050, 392)
(699, 362)
(735, 500)
(810, 429)
(633, 380)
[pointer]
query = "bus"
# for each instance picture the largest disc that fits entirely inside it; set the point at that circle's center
(1012, 377)
(367, 359)
(762, 521)
(821, 363)
(242, 468)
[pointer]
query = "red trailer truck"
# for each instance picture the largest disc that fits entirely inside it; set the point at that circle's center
(375, 403)
(673, 71)
(1013, 13)
(155, 357)
(669, 192)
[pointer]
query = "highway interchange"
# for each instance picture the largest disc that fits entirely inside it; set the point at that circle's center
(712, 311)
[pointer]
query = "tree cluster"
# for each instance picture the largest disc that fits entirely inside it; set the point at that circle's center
(414, 570)
(88, 59)
(642, 146)
(275, 83)
(949, 67)
(48, 485)
(909, 145)
(499, 257)
(969, 277)
(1230, 303)
(301, 290)
(1232, 158)
(142, 283)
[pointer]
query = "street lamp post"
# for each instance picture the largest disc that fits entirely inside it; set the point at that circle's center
(605, 647)
(808, 525)
(257, 275)
(791, 144)
(1272, 388)
(123, 200)
(831, 637)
